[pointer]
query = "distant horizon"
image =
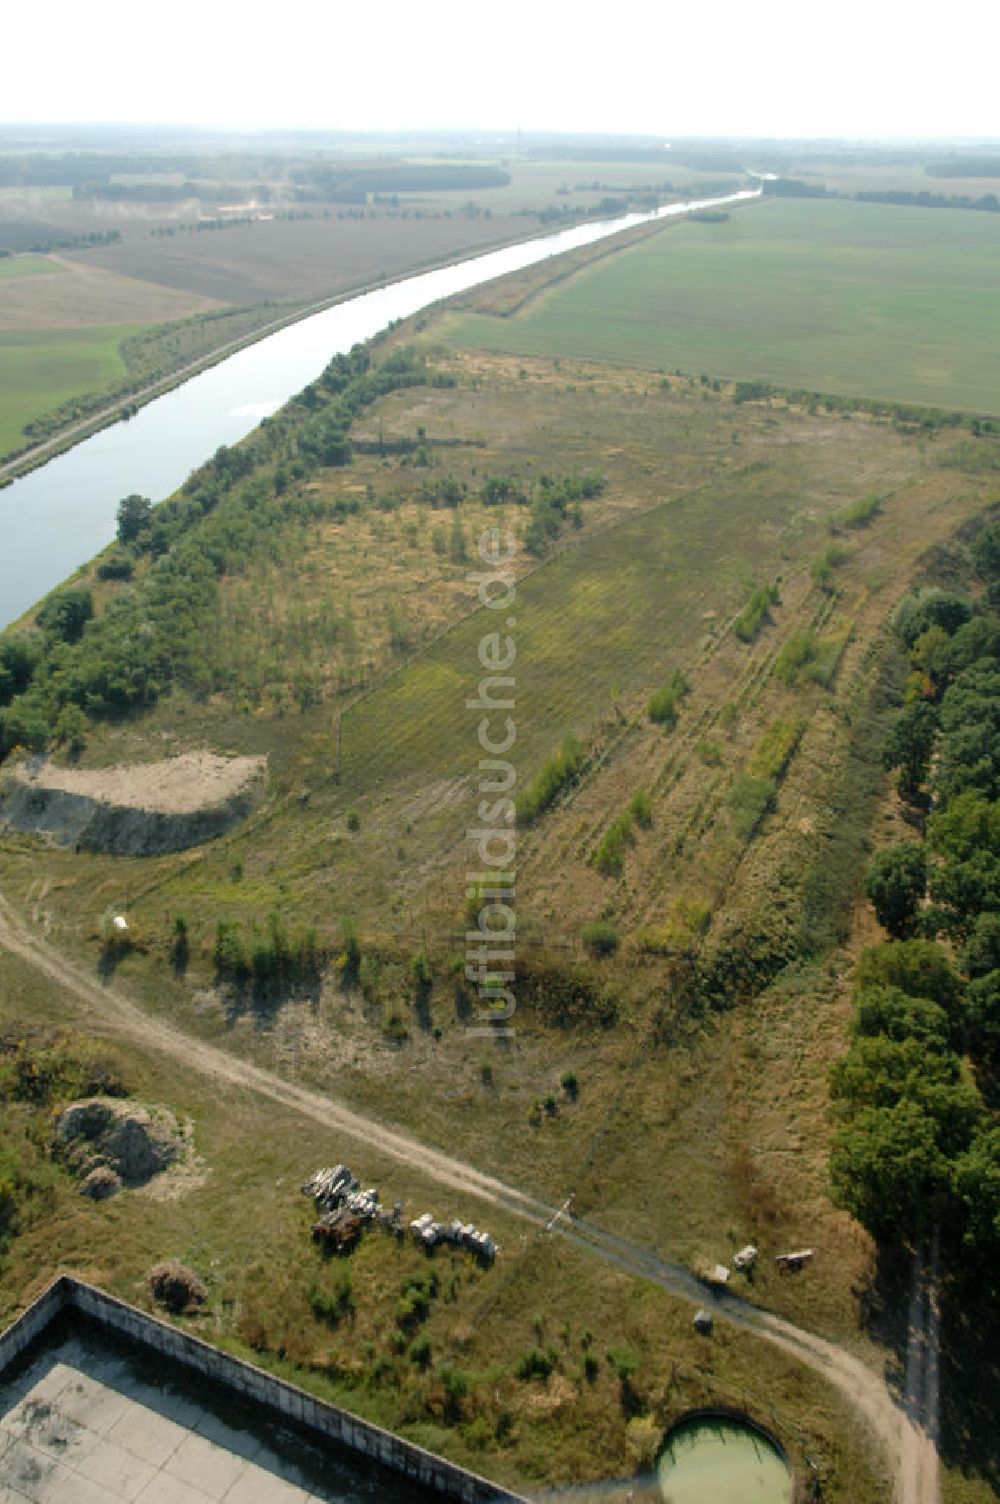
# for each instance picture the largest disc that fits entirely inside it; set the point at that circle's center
(501, 134)
(864, 73)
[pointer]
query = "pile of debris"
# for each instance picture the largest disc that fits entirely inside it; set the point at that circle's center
(429, 1233)
(716, 1276)
(111, 1143)
(345, 1210)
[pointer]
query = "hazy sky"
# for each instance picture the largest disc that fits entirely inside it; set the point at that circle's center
(854, 68)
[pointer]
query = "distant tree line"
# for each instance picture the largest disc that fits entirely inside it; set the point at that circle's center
(795, 188)
(907, 416)
(348, 183)
(965, 167)
(159, 192)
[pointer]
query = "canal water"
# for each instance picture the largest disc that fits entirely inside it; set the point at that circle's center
(60, 515)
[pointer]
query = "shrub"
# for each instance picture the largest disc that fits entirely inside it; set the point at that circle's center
(609, 856)
(274, 958)
(353, 820)
(640, 807)
(756, 612)
(570, 1085)
(350, 948)
(643, 1436)
(600, 937)
(336, 1301)
(66, 613)
(624, 1362)
(395, 1029)
(750, 799)
(175, 1286)
(421, 974)
(662, 707)
(795, 657)
(822, 569)
(456, 1385)
(534, 1364)
(413, 1305)
(71, 729)
(420, 1351)
(860, 513)
(775, 750)
(117, 564)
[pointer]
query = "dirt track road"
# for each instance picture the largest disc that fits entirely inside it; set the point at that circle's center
(919, 1461)
(895, 1430)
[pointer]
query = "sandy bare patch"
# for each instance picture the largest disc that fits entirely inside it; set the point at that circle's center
(175, 786)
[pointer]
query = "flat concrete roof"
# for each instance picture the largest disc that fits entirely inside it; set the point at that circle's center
(87, 1421)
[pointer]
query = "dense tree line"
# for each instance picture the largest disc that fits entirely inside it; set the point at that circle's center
(918, 1093)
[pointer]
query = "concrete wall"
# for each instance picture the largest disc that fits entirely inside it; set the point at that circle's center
(29, 1327)
(324, 1420)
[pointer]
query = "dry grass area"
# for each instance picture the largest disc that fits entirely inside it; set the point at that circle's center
(77, 294)
(300, 260)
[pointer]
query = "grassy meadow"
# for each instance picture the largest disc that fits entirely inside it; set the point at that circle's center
(853, 299)
(43, 368)
(13, 267)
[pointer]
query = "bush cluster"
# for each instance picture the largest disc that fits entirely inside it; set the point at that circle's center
(663, 705)
(756, 612)
(553, 778)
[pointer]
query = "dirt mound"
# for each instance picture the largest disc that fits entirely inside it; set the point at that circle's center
(107, 1139)
(176, 1286)
(138, 810)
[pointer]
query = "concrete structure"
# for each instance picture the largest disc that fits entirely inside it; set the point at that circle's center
(74, 1433)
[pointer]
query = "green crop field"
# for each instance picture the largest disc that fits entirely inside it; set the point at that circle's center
(857, 299)
(39, 369)
(24, 266)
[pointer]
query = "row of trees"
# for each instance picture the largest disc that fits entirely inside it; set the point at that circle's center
(918, 1093)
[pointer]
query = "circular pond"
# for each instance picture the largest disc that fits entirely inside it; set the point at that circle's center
(720, 1459)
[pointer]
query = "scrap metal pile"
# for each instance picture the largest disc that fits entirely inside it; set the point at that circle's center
(345, 1210)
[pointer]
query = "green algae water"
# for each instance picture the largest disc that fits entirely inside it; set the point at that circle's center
(716, 1459)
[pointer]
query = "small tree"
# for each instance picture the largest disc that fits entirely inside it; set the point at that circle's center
(895, 884)
(909, 746)
(134, 516)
